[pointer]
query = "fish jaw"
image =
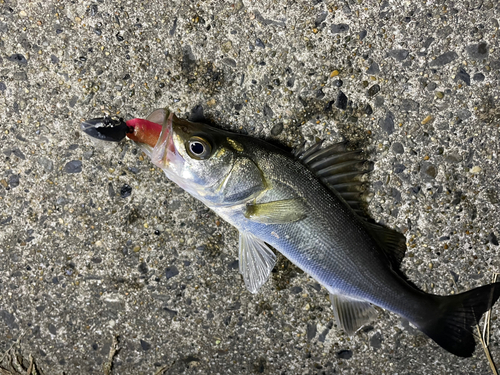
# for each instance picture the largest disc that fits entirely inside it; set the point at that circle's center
(145, 133)
(157, 138)
(154, 136)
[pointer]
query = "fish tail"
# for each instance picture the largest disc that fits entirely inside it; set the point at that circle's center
(452, 325)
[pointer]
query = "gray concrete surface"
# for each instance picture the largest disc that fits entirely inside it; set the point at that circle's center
(83, 261)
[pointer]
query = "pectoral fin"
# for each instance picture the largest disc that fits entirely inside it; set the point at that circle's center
(351, 314)
(277, 212)
(256, 261)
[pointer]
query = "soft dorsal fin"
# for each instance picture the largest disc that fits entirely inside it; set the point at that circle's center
(391, 242)
(340, 168)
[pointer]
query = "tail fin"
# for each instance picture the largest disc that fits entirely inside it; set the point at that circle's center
(452, 326)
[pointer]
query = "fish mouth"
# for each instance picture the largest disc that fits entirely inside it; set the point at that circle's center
(154, 136)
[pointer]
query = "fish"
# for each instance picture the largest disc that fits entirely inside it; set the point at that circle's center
(306, 204)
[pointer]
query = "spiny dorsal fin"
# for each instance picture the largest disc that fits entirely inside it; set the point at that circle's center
(340, 168)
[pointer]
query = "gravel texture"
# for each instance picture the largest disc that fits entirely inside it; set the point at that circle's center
(96, 243)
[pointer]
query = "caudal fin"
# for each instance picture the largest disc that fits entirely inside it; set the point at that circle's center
(452, 326)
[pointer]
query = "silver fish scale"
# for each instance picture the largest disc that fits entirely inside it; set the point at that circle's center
(331, 244)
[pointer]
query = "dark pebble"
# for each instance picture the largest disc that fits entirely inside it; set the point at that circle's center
(408, 105)
(145, 345)
(14, 180)
(444, 59)
(399, 54)
(259, 43)
(396, 194)
(171, 272)
(493, 239)
(234, 306)
(143, 268)
(54, 59)
(328, 106)
(478, 51)
(119, 37)
(341, 102)
(429, 170)
(340, 28)
(463, 75)
(387, 123)
(73, 166)
(277, 129)
(368, 110)
(295, 290)
(463, 114)
(229, 62)
(344, 354)
(320, 18)
(18, 58)
(171, 313)
(98, 32)
(479, 77)
(52, 329)
(376, 341)
(372, 91)
(431, 86)
(311, 331)
(338, 83)
(5, 221)
(373, 69)
(399, 168)
(2, 86)
(320, 94)
(428, 42)
(268, 112)
(397, 148)
(362, 34)
(126, 191)
(58, 31)
(234, 265)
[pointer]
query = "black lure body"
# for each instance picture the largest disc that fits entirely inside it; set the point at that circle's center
(106, 128)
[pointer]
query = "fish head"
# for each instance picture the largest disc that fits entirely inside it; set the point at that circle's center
(195, 156)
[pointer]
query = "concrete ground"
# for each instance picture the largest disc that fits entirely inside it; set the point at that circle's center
(95, 243)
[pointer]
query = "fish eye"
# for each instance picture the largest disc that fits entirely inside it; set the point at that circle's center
(199, 148)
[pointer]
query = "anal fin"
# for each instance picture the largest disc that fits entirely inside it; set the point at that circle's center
(351, 314)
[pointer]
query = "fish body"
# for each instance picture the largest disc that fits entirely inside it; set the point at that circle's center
(306, 206)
